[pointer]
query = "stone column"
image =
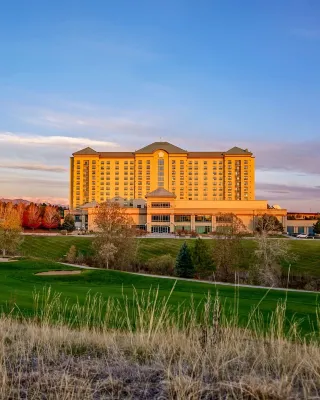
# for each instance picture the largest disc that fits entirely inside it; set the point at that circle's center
(213, 222)
(172, 226)
(148, 222)
(193, 222)
(284, 223)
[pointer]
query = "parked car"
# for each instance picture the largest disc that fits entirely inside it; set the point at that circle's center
(302, 236)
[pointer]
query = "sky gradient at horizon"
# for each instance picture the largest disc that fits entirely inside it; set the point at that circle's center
(203, 75)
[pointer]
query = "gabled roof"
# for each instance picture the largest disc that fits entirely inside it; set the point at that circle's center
(237, 150)
(86, 151)
(161, 192)
(166, 146)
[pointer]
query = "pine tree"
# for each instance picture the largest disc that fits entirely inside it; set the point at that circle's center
(184, 265)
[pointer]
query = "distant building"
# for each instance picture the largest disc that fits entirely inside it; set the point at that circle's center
(301, 222)
(166, 188)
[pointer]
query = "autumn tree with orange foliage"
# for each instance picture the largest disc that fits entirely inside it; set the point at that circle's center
(51, 217)
(32, 216)
(10, 229)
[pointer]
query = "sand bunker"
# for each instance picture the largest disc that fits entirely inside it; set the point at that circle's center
(59, 273)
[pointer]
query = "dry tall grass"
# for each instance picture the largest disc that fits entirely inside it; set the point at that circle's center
(153, 354)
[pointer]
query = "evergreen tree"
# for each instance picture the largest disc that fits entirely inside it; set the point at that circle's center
(316, 227)
(184, 266)
(202, 258)
(68, 223)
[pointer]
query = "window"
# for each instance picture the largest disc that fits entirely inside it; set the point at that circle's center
(160, 172)
(203, 218)
(182, 218)
(160, 218)
(224, 218)
(160, 205)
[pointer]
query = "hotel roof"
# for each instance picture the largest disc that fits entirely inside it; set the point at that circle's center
(166, 146)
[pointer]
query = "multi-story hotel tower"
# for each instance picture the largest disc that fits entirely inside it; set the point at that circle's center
(214, 176)
(166, 189)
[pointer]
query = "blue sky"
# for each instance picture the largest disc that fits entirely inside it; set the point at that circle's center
(200, 74)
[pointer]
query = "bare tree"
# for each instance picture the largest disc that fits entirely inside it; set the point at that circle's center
(268, 224)
(114, 226)
(107, 253)
(10, 229)
(268, 257)
(228, 250)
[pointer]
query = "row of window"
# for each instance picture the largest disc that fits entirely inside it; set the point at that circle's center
(187, 218)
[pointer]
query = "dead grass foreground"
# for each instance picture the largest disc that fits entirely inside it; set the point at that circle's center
(39, 361)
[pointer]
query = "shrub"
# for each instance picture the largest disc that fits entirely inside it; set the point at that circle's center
(161, 265)
(68, 223)
(64, 232)
(194, 234)
(141, 232)
(72, 255)
(80, 259)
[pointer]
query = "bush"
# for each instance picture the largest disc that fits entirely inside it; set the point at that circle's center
(161, 265)
(64, 232)
(80, 259)
(194, 234)
(181, 232)
(72, 255)
(141, 232)
(68, 223)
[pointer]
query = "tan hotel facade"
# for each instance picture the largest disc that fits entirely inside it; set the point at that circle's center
(166, 188)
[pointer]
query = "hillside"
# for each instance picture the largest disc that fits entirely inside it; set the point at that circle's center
(54, 248)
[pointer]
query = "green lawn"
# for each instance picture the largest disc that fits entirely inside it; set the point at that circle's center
(54, 248)
(18, 280)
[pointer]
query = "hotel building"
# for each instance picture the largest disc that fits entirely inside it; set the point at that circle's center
(166, 188)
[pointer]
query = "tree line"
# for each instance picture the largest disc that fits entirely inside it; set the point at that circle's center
(32, 216)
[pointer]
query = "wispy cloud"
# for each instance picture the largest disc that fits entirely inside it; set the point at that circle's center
(57, 141)
(284, 192)
(30, 182)
(132, 123)
(34, 167)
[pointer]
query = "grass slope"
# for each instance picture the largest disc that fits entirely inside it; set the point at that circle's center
(54, 248)
(18, 280)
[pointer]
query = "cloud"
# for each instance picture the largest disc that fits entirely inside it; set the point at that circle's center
(123, 123)
(287, 192)
(34, 167)
(56, 141)
(27, 183)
